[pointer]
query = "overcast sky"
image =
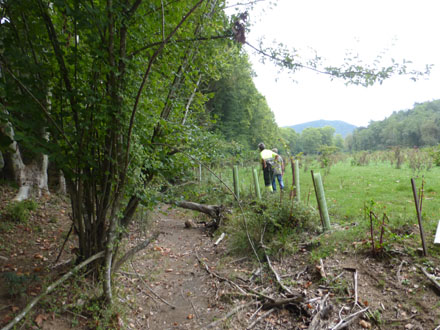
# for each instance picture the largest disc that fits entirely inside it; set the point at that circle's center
(404, 29)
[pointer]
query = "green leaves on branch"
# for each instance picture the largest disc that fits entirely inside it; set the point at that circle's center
(352, 70)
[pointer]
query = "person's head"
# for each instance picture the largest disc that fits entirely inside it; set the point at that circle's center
(261, 146)
(275, 150)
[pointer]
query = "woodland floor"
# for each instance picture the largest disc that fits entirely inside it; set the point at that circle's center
(167, 286)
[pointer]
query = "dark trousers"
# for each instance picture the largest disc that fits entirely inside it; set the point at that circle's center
(268, 175)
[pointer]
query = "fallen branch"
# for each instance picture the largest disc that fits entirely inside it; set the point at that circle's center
(253, 324)
(214, 211)
(50, 288)
(222, 278)
(315, 323)
(283, 302)
(399, 320)
(278, 278)
(232, 312)
(130, 253)
(430, 277)
(349, 319)
(321, 269)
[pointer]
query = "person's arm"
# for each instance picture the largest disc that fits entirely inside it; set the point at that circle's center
(282, 166)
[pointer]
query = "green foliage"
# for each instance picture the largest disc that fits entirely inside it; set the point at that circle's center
(435, 154)
(419, 160)
(327, 157)
(17, 284)
(280, 225)
(19, 211)
(240, 112)
(418, 127)
(360, 159)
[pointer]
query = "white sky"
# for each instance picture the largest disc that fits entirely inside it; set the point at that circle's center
(408, 29)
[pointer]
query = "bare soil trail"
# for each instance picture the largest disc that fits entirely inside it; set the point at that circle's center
(166, 285)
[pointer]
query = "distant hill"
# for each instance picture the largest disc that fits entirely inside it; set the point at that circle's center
(341, 127)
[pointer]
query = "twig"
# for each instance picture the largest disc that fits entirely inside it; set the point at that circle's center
(282, 302)
(50, 288)
(355, 280)
(399, 279)
(63, 263)
(192, 305)
(278, 278)
(150, 289)
(76, 314)
(314, 324)
(349, 319)
(251, 326)
(342, 273)
(65, 241)
(220, 277)
(5, 307)
(301, 272)
(232, 312)
(255, 313)
(321, 269)
(399, 320)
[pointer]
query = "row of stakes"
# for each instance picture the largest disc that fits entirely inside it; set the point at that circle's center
(317, 183)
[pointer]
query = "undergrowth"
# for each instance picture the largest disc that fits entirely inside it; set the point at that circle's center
(19, 212)
(277, 226)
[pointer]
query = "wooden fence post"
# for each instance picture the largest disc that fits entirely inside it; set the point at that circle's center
(236, 183)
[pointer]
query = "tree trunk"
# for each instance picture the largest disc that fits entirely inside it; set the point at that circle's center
(31, 178)
(62, 188)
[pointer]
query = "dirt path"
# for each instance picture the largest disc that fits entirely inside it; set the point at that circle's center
(169, 269)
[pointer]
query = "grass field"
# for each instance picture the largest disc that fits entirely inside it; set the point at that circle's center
(350, 189)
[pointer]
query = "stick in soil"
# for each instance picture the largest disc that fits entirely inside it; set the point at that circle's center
(192, 305)
(251, 326)
(278, 278)
(65, 241)
(150, 289)
(343, 323)
(228, 315)
(221, 278)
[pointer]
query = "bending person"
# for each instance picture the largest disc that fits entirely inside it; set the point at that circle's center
(267, 158)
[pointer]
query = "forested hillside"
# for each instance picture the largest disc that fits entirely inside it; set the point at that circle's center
(417, 127)
(341, 127)
(239, 112)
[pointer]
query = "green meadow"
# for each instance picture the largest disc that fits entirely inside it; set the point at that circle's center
(352, 191)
